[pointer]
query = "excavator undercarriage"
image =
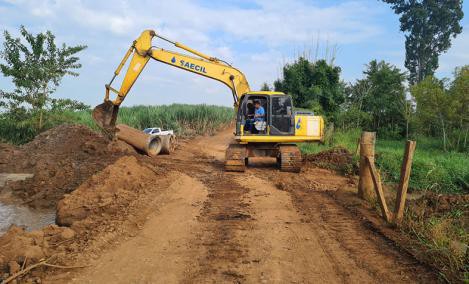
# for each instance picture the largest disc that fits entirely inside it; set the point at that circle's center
(288, 156)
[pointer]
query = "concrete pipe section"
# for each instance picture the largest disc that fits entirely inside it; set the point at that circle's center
(151, 145)
(168, 144)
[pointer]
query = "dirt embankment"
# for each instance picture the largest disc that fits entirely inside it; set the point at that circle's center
(61, 159)
(96, 185)
(107, 193)
(338, 159)
(105, 208)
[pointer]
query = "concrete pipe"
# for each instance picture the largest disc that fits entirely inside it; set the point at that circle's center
(150, 145)
(167, 144)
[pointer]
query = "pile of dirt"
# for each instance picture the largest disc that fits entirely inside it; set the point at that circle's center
(22, 248)
(8, 153)
(433, 203)
(88, 218)
(337, 158)
(61, 159)
(107, 193)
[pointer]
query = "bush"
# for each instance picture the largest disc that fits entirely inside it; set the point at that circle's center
(17, 130)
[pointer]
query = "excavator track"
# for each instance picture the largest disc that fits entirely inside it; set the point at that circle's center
(289, 158)
(235, 158)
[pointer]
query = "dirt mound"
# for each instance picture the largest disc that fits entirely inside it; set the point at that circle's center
(107, 192)
(21, 247)
(60, 159)
(7, 154)
(96, 212)
(65, 140)
(336, 159)
(432, 203)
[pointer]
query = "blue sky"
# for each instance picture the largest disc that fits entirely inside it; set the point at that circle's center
(257, 37)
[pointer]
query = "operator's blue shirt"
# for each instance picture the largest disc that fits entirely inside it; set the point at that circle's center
(259, 112)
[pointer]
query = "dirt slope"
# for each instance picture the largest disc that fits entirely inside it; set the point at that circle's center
(60, 159)
(261, 226)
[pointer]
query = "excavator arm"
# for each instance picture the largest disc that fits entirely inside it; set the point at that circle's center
(142, 51)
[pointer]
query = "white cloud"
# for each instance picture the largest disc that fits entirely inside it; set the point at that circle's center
(257, 40)
(275, 22)
(81, 14)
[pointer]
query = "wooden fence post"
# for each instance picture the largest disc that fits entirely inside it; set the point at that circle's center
(379, 190)
(365, 182)
(404, 181)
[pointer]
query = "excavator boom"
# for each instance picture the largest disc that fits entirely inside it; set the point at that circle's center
(142, 51)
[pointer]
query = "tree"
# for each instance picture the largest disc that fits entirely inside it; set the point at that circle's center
(381, 95)
(459, 94)
(356, 93)
(433, 111)
(265, 87)
(313, 85)
(442, 108)
(428, 26)
(36, 65)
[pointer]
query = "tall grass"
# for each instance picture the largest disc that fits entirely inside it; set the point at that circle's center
(185, 120)
(432, 169)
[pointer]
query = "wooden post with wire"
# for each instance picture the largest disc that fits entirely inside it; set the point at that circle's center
(367, 150)
(404, 181)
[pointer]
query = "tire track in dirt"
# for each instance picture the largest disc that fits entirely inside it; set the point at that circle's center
(224, 218)
(348, 241)
(346, 237)
(288, 248)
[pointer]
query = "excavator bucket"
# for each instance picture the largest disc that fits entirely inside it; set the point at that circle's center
(105, 115)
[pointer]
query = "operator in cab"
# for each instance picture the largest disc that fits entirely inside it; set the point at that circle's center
(258, 116)
(259, 113)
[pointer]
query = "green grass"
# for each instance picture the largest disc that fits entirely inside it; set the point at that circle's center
(432, 169)
(184, 119)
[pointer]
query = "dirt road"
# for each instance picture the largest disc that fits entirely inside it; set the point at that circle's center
(262, 226)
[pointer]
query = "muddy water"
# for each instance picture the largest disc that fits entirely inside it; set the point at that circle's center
(24, 216)
(13, 213)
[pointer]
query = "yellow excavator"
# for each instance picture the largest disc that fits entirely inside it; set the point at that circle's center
(266, 124)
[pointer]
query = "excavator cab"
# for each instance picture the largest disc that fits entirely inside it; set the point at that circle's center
(277, 118)
(283, 129)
